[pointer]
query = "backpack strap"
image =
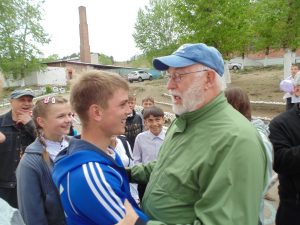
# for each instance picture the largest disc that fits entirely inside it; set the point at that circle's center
(125, 144)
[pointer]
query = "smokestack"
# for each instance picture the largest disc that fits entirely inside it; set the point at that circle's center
(85, 55)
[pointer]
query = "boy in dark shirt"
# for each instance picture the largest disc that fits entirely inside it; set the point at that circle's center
(134, 122)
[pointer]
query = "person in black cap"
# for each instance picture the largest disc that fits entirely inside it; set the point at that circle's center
(18, 128)
(212, 166)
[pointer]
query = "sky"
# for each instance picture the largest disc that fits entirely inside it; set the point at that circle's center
(110, 24)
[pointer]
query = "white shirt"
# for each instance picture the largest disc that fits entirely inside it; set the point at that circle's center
(54, 147)
(120, 150)
(287, 94)
(146, 146)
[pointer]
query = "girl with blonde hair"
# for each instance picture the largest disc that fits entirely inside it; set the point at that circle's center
(38, 198)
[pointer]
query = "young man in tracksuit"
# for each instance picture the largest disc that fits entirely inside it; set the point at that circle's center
(90, 175)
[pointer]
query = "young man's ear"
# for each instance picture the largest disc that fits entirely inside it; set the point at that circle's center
(95, 112)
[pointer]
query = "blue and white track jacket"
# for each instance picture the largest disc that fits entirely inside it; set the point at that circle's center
(92, 185)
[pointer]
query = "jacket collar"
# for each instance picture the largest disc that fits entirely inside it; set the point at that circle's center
(208, 110)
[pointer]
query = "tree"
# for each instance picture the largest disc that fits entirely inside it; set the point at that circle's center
(156, 32)
(20, 34)
(278, 26)
(72, 56)
(106, 60)
(224, 24)
(50, 58)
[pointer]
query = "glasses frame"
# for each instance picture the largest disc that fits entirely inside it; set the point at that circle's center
(177, 77)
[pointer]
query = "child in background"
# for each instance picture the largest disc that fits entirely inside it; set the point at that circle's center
(147, 143)
(134, 122)
(147, 102)
(286, 85)
(38, 198)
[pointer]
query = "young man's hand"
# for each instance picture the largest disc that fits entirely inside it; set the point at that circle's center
(130, 217)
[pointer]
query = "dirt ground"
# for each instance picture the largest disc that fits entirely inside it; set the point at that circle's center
(261, 85)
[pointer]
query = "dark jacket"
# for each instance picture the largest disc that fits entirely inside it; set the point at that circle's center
(11, 150)
(38, 198)
(134, 126)
(285, 137)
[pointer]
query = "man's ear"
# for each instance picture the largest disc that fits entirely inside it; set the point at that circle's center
(95, 112)
(210, 79)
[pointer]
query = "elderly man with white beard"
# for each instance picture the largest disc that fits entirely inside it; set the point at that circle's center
(212, 166)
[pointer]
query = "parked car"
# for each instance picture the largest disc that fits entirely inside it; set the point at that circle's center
(234, 66)
(139, 75)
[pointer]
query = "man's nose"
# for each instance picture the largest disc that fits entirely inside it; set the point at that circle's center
(171, 84)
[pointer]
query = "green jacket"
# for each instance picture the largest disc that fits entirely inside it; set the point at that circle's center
(211, 170)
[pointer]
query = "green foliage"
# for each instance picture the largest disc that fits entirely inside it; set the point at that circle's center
(50, 58)
(234, 27)
(48, 89)
(72, 56)
(224, 24)
(141, 61)
(20, 33)
(156, 29)
(277, 24)
(106, 60)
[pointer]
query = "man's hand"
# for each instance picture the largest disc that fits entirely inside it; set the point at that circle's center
(23, 116)
(2, 137)
(130, 217)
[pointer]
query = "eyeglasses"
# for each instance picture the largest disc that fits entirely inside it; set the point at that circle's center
(177, 77)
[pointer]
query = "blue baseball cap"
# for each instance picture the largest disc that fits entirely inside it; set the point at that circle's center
(189, 54)
(19, 93)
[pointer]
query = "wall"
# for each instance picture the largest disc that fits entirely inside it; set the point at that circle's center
(49, 76)
(52, 76)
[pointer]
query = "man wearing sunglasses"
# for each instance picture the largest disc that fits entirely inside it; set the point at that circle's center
(212, 166)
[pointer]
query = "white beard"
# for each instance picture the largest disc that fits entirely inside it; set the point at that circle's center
(191, 99)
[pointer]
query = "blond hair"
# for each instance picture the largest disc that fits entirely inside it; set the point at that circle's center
(94, 87)
(41, 109)
(148, 98)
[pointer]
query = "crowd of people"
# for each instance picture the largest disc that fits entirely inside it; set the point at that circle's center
(212, 165)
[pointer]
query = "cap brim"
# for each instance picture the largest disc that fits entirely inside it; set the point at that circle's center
(19, 96)
(163, 63)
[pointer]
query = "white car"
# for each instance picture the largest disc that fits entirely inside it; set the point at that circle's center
(139, 75)
(234, 66)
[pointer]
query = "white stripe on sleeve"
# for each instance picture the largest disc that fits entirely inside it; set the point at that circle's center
(109, 188)
(97, 194)
(68, 191)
